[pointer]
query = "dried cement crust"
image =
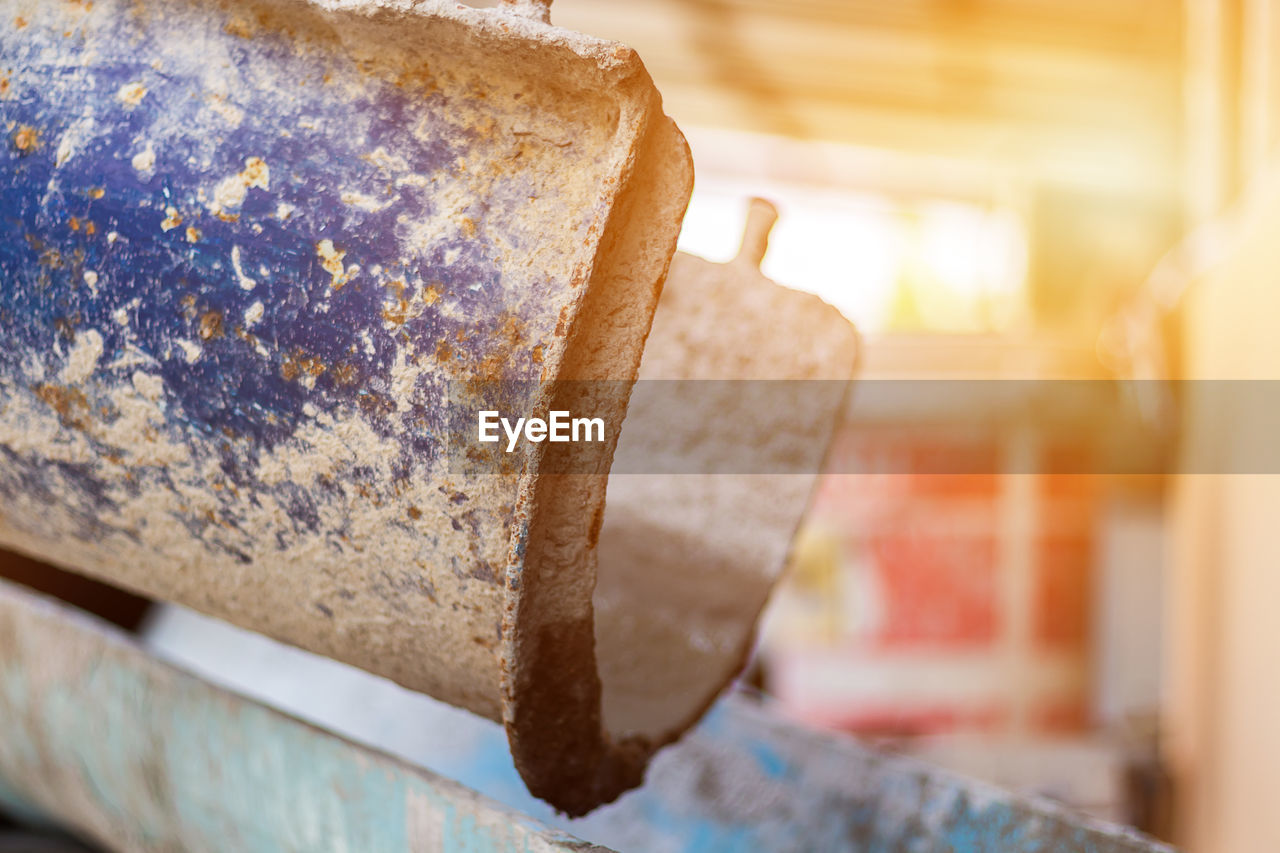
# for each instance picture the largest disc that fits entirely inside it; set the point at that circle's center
(629, 624)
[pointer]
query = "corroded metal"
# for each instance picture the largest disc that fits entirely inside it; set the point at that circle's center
(244, 249)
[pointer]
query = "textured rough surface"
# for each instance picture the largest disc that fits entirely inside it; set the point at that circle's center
(747, 780)
(685, 560)
(688, 559)
(742, 779)
(139, 757)
(244, 248)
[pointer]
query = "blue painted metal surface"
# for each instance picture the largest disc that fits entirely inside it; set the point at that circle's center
(744, 779)
(137, 756)
(134, 207)
(140, 205)
(134, 752)
(246, 249)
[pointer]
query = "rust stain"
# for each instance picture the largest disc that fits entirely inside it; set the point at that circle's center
(172, 219)
(70, 404)
(298, 364)
(395, 313)
(97, 193)
(26, 139)
(211, 325)
(131, 94)
(239, 27)
(345, 374)
(193, 234)
(375, 404)
(419, 78)
(256, 173)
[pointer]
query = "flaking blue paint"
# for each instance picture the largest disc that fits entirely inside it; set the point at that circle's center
(152, 272)
(73, 202)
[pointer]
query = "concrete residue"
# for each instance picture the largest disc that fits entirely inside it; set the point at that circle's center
(246, 283)
(148, 386)
(83, 359)
(131, 94)
(190, 350)
(253, 314)
(144, 162)
(172, 219)
(231, 192)
(331, 260)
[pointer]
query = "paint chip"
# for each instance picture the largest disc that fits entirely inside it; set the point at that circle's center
(246, 283)
(131, 94)
(253, 314)
(172, 219)
(331, 260)
(144, 162)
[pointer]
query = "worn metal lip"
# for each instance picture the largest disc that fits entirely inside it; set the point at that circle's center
(552, 695)
(558, 740)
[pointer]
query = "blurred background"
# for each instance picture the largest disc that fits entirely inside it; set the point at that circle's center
(1030, 189)
(993, 190)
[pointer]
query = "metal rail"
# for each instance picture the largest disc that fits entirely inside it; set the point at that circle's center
(135, 754)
